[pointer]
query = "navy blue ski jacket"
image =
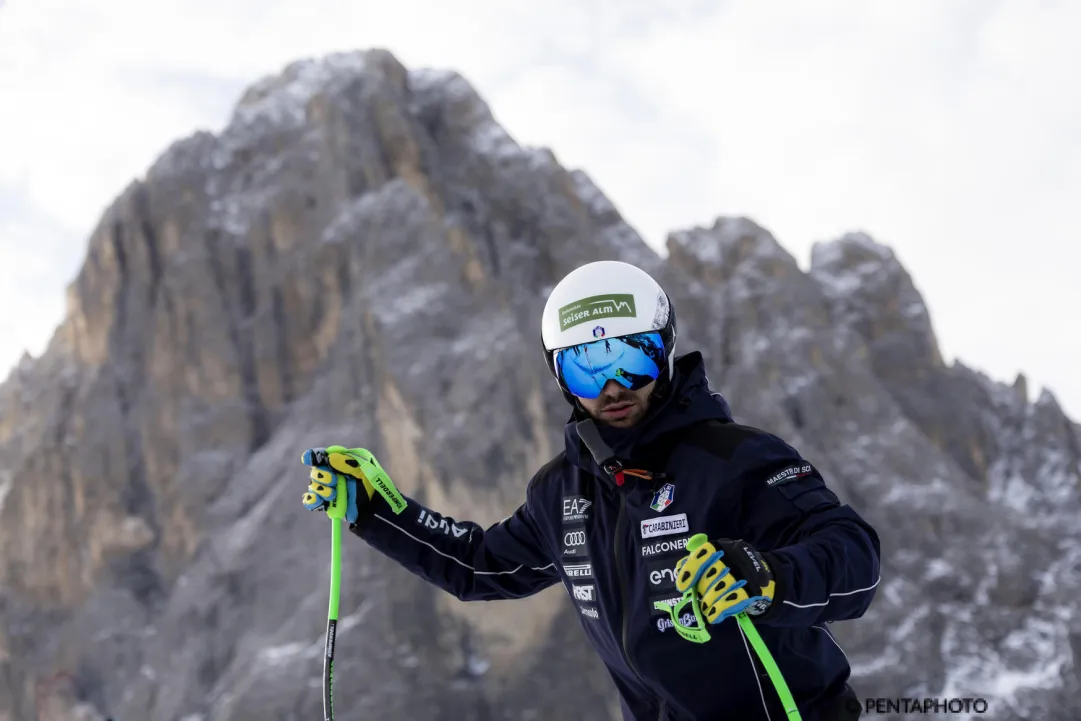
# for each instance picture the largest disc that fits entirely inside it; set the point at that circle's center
(614, 547)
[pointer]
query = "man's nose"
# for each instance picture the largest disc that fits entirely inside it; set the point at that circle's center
(612, 389)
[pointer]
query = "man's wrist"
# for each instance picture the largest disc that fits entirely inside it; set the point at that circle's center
(774, 562)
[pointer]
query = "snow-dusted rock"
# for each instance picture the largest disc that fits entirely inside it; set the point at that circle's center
(361, 256)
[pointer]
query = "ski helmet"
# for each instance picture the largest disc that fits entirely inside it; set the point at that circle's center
(606, 300)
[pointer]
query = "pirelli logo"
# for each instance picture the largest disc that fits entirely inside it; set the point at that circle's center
(578, 570)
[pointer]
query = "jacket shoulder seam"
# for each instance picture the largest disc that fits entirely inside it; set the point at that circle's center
(546, 474)
(721, 440)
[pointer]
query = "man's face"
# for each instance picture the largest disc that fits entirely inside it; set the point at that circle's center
(618, 407)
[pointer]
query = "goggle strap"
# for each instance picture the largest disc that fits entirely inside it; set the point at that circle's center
(604, 456)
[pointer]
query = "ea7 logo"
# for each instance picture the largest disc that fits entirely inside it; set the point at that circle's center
(428, 520)
(574, 508)
(582, 593)
(574, 538)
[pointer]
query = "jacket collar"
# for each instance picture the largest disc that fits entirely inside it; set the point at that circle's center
(689, 401)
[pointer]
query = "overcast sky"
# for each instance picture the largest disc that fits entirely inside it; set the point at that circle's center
(949, 130)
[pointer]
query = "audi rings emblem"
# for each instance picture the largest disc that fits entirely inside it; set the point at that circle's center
(574, 538)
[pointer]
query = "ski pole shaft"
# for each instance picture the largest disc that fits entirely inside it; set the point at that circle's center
(336, 512)
(332, 618)
(775, 675)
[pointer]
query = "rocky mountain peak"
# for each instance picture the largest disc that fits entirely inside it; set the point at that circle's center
(872, 293)
(361, 256)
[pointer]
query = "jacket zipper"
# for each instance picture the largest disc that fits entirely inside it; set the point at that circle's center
(617, 546)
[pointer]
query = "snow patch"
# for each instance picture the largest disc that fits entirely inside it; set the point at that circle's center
(446, 82)
(914, 309)
(892, 591)
(1047, 400)
(827, 254)
(420, 299)
(348, 219)
(881, 662)
(483, 334)
(354, 619)
(282, 100)
(837, 283)
(490, 139)
(938, 569)
(795, 383)
(486, 136)
(591, 196)
(1031, 657)
(908, 625)
(865, 242)
(289, 652)
(837, 252)
(477, 666)
(843, 266)
(711, 245)
(279, 104)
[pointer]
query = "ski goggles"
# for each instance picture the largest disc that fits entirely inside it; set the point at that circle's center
(634, 361)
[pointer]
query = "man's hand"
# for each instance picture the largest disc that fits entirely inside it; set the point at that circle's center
(730, 577)
(336, 465)
(332, 468)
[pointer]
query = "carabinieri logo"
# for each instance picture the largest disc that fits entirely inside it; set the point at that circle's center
(663, 498)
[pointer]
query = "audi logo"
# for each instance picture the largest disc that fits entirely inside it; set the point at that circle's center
(574, 538)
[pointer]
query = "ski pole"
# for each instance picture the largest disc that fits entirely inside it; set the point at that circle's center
(336, 512)
(367, 470)
(700, 634)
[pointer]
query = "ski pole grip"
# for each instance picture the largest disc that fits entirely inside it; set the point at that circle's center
(697, 541)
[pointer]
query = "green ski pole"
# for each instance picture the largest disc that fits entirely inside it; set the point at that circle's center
(365, 467)
(336, 512)
(700, 634)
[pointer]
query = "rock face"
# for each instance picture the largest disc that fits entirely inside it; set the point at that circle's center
(361, 257)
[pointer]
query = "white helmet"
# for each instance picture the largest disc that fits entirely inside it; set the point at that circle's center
(606, 299)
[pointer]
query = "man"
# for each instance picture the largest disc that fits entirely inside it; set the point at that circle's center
(652, 457)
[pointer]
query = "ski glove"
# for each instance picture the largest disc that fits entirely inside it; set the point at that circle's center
(729, 576)
(336, 465)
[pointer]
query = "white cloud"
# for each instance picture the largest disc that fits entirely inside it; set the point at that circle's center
(948, 130)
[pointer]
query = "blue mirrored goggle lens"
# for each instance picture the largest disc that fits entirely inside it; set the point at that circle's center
(633, 361)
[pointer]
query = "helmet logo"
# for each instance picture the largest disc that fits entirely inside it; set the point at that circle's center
(619, 305)
(598, 332)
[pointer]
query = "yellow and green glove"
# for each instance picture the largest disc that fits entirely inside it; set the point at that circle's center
(730, 577)
(333, 466)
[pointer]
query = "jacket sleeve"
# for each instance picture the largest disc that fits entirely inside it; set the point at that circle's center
(506, 560)
(824, 556)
